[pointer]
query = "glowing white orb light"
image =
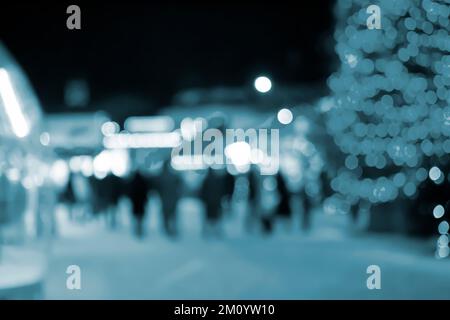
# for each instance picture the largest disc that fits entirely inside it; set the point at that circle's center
(263, 84)
(109, 128)
(285, 116)
(434, 173)
(239, 153)
(44, 138)
(59, 172)
(443, 227)
(438, 211)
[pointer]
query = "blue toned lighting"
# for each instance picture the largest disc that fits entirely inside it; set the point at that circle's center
(434, 173)
(438, 211)
(443, 227)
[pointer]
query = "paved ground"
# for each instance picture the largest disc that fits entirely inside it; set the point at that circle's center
(327, 264)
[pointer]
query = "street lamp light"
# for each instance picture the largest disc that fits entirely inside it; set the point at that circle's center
(263, 84)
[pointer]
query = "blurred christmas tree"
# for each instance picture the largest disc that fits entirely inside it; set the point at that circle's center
(391, 108)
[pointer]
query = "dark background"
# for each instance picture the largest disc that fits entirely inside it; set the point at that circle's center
(155, 49)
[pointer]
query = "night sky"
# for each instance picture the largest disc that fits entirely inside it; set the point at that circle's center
(156, 49)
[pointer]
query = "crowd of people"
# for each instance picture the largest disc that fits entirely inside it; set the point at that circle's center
(268, 199)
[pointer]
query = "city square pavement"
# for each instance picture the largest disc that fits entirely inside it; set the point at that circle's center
(328, 263)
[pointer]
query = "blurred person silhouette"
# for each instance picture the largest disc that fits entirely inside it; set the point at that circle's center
(67, 197)
(325, 183)
(96, 201)
(102, 191)
(229, 185)
(283, 210)
(217, 187)
(169, 191)
(82, 190)
(354, 212)
(115, 190)
(269, 202)
(265, 203)
(306, 209)
(137, 192)
(254, 199)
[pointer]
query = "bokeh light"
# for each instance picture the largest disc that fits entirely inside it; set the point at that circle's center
(285, 116)
(263, 84)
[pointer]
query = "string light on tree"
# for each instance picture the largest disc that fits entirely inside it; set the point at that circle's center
(391, 112)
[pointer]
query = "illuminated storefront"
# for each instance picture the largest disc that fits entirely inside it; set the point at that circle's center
(26, 195)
